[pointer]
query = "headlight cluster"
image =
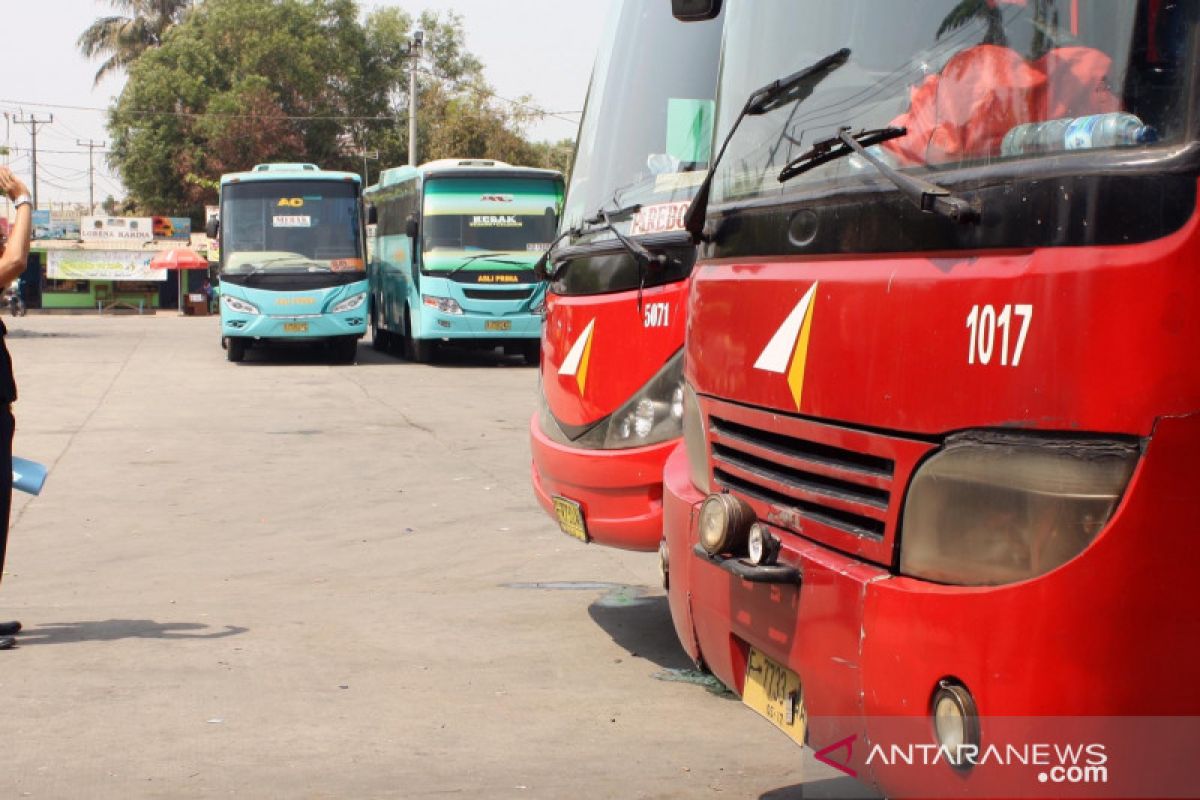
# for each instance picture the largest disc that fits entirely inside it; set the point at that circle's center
(653, 414)
(349, 304)
(992, 508)
(446, 305)
(238, 305)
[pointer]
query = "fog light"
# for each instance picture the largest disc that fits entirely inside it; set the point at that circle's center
(956, 724)
(724, 522)
(762, 546)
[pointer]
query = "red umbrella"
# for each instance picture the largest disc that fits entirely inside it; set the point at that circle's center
(178, 258)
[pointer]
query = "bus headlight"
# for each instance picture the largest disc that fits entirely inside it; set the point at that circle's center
(724, 523)
(239, 306)
(652, 415)
(694, 440)
(349, 304)
(995, 508)
(446, 305)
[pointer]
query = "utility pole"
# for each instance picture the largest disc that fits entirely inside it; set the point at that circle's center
(33, 123)
(91, 146)
(414, 52)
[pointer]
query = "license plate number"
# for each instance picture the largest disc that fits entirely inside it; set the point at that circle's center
(773, 690)
(498, 325)
(295, 327)
(570, 518)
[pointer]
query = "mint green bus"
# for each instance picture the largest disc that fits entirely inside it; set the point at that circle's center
(456, 242)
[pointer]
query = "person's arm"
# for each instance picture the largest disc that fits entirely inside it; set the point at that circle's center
(16, 253)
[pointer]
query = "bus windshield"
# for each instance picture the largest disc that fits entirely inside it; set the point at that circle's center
(502, 221)
(291, 226)
(973, 82)
(646, 133)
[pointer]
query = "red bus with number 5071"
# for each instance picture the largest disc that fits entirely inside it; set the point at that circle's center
(612, 360)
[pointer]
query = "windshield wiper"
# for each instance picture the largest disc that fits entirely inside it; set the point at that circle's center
(792, 89)
(489, 256)
(592, 223)
(927, 196)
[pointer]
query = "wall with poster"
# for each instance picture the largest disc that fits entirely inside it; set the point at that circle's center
(172, 228)
(49, 225)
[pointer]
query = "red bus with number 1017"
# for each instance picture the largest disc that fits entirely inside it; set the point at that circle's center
(942, 407)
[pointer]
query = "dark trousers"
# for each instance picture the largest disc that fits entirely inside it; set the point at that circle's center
(7, 426)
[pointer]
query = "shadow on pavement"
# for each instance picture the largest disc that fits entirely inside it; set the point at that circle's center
(641, 625)
(828, 789)
(110, 630)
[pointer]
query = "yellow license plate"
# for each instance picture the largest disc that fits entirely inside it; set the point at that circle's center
(570, 518)
(773, 690)
(498, 325)
(295, 327)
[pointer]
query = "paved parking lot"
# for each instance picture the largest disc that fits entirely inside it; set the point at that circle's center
(289, 579)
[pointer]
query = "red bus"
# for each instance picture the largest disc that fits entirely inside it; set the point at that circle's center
(939, 417)
(612, 349)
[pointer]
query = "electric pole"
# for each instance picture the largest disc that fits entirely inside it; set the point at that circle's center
(33, 123)
(414, 52)
(91, 146)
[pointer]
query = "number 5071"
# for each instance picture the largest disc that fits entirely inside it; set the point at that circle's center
(993, 331)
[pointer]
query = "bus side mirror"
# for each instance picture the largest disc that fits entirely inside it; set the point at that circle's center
(695, 10)
(410, 228)
(211, 226)
(372, 216)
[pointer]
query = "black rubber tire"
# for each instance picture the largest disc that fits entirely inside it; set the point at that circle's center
(235, 349)
(344, 350)
(419, 351)
(532, 352)
(380, 339)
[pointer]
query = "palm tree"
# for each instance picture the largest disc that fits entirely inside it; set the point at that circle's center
(124, 37)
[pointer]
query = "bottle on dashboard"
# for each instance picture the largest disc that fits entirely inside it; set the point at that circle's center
(1116, 129)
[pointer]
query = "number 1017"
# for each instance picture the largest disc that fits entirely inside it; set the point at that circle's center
(992, 331)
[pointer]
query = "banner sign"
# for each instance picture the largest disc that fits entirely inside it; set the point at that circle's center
(117, 229)
(175, 228)
(52, 225)
(102, 265)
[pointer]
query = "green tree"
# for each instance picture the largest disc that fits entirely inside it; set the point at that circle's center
(240, 82)
(122, 38)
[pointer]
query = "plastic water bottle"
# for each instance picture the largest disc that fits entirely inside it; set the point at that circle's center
(1108, 130)
(1081, 133)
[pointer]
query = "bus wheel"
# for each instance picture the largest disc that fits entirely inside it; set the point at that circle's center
(417, 350)
(235, 348)
(379, 338)
(532, 352)
(345, 350)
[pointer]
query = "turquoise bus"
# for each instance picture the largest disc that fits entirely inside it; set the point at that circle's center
(292, 264)
(456, 243)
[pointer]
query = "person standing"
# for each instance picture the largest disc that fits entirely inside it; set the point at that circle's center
(13, 259)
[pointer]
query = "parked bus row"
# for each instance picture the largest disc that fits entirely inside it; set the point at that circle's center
(453, 248)
(880, 332)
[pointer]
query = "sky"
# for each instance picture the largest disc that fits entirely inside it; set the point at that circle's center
(543, 48)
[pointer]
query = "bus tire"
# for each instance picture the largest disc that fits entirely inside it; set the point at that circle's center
(532, 352)
(235, 349)
(345, 350)
(419, 351)
(380, 339)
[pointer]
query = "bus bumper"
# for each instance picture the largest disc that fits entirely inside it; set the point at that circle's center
(470, 326)
(1088, 641)
(324, 326)
(620, 491)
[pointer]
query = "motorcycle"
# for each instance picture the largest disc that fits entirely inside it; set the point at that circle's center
(16, 306)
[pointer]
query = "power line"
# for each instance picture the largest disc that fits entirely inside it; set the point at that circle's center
(91, 146)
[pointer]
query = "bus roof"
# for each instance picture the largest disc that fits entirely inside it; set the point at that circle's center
(460, 168)
(288, 172)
